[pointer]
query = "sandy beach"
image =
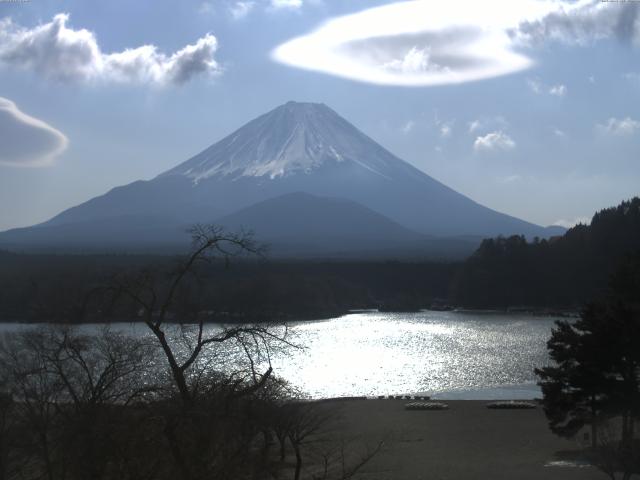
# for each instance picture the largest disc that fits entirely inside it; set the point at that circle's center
(468, 441)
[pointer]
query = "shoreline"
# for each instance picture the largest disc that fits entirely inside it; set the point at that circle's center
(466, 441)
(287, 318)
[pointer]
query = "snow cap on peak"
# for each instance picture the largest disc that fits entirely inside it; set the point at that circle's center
(294, 138)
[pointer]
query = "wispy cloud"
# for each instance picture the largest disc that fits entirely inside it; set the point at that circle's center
(443, 127)
(494, 141)
(487, 124)
(423, 43)
(446, 128)
(474, 126)
(26, 141)
(558, 90)
(534, 85)
(619, 126)
(239, 10)
(62, 53)
(537, 87)
(290, 4)
(408, 127)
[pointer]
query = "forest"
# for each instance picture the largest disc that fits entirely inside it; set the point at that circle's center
(559, 273)
(564, 271)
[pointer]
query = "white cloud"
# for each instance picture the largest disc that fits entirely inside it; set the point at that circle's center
(56, 51)
(534, 86)
(582, 22)
(424, 43)
(239, 10)
(474, 126)
(487, 124)
(558, 90)
(415, 61)
(446, 129)
(537, 87)
(494, 141)
(26, 141)
(559, 133)
(291, 4)
(408, 127)
(573, 222)
(620, 126)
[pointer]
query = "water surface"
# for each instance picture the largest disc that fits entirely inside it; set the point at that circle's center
(445, 354)
(451, 355)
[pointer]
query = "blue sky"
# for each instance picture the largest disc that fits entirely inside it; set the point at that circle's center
(533, 109)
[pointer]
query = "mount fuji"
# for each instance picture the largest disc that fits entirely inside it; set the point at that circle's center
(304, 178)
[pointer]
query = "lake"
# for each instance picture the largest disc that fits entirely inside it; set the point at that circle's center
(453, 355)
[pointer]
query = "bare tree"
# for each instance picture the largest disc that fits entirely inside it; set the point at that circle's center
(198, 355)
(312, 430)
(156, 299)
(65, 387)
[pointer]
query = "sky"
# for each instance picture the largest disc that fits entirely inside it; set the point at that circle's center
(530, 107)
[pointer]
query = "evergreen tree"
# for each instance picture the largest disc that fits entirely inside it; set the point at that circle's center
(596, 376)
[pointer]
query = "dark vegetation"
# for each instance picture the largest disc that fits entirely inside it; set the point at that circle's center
(77, 407)
(183, 402)
(595, 379)
(564, 271)
(38, 288)
(192, 401)
(560, 273)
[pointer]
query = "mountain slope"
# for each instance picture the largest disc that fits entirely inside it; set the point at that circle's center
(297, 147)
(299, 224)
(124, 233)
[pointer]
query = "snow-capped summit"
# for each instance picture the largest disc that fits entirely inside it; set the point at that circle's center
(293, 138)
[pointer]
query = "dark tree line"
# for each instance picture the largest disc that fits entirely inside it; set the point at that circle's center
(37, 288)
(561, 272)
(186, 401)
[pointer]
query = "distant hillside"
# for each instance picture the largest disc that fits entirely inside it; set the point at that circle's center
(303, 225)
(563, 271)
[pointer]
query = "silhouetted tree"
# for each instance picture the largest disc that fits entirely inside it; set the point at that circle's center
(210, 396)
(596, 376)
(157, 295)
(65, 389)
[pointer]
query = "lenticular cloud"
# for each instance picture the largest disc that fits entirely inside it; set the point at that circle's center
(26, 141)
(424, 42)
